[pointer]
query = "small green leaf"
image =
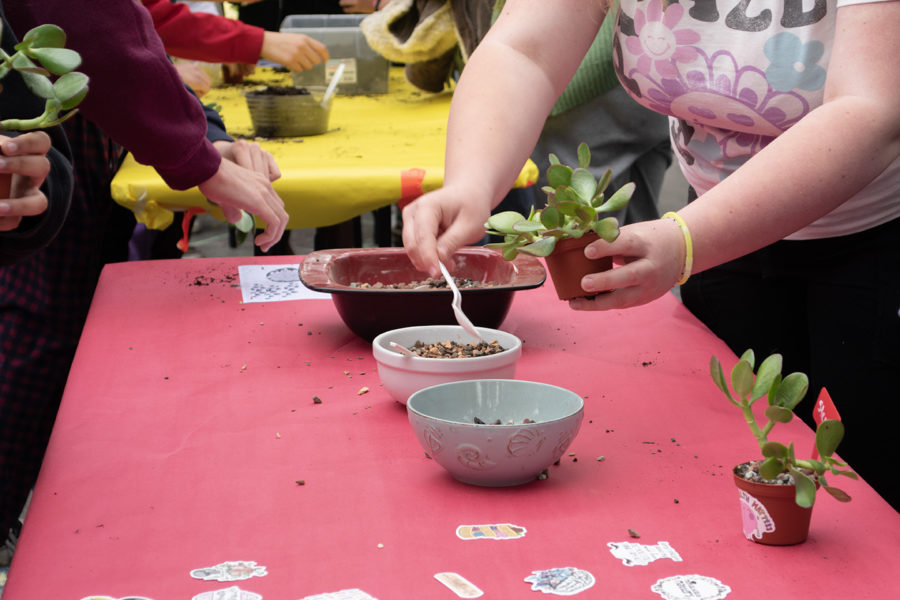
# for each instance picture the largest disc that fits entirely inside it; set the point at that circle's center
(584, 155)
(504, 221)
(742, 378)
(604, 181)
(551, 218)
(43, 36)
(771, 468)
(38, 84)
(718, 375)
(71, 89)
(829, 434)
(245, 223)
(56, 60)
(554, 160)
(510, 253)
(792, 390)
(585, 214)
(607, 228)
(619, 199)
(774, 450)
(559, 175)
(542, 247)
(766, 375)
(584, 184)
(779, 414)
(805, 488)
(525, 226)
(567, 208)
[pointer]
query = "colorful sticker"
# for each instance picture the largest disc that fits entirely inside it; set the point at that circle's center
(690, 587)
(500, 531)
(232, 570)
(563, 581)
(633, 554)
(459, 585)
(351, 594)
(755, 518)
(232, 593)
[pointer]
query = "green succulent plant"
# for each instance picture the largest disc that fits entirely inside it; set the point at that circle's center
(40, 55)
(783, 395)
(576, 203)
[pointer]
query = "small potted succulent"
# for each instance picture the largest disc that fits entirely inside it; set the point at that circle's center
(572, 218)
(779, 489)
(40, 55)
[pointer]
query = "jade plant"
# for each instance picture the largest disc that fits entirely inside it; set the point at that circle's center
(576, 204)
(783, 395)
(39, 57)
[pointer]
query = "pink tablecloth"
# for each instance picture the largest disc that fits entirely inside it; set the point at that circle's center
(189, 419)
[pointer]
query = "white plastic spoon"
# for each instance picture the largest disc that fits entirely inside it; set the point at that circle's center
(461, 317)
(332, 85)
(401, 349)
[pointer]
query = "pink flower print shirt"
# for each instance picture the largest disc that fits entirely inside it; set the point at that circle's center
(733, 75)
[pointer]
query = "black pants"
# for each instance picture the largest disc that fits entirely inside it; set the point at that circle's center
(830, 307)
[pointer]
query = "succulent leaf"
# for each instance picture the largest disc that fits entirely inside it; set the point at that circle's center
(542, 247)
(43, 36)
(792, 390)
(771, 468)
(619, 199)
(607, 228)
(805, 488)
(504, 221)
(774, 450)
(584, 184)
(829, 434)
(742, 378)
(779, 414)
(559, 175)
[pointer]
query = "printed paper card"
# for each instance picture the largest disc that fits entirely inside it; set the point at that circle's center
(271, 283)
(498, 531)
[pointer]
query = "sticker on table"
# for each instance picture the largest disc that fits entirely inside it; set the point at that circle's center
(562, 581)
(690, 587)
(459, 585)
(351, 594)
(232, 570)
(111, 598)
(500, 531)
(633, 554)
(269, 283)
(755, 517)
(232, 593)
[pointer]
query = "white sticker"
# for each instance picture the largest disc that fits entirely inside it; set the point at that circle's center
(232, 593)
(690, 587)
(459, 585)
(232, 570)
(562, 581)
(351, 594)
(755, 517)
(633, 554)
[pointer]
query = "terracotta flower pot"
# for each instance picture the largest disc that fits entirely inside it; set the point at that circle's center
(770, 514)
(567, 264)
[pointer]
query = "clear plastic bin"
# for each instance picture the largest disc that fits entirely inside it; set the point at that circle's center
(366, 71)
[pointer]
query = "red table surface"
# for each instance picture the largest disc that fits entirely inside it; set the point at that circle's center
(189, 417)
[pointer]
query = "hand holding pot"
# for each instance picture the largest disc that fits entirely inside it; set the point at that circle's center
(24, 167)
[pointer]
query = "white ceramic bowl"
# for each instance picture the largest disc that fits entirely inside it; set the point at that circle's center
(402, 375)
(443, 419)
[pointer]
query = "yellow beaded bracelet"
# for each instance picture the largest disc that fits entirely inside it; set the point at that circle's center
(688, 246)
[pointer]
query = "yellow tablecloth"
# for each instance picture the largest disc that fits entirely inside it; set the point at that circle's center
(378, 149)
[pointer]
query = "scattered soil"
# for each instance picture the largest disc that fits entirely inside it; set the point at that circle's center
(426, 284)
(452, 349)
(750, 472)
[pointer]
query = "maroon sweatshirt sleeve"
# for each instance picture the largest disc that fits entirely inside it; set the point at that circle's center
(135, 94)
(203, 36)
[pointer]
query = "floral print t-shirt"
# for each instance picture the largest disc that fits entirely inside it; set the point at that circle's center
(733, 75)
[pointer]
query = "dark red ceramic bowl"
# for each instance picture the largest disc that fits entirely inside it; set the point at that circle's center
(368, 312)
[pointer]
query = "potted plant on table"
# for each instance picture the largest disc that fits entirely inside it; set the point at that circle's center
(572, 218)
(40, 55)
(778, 490)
